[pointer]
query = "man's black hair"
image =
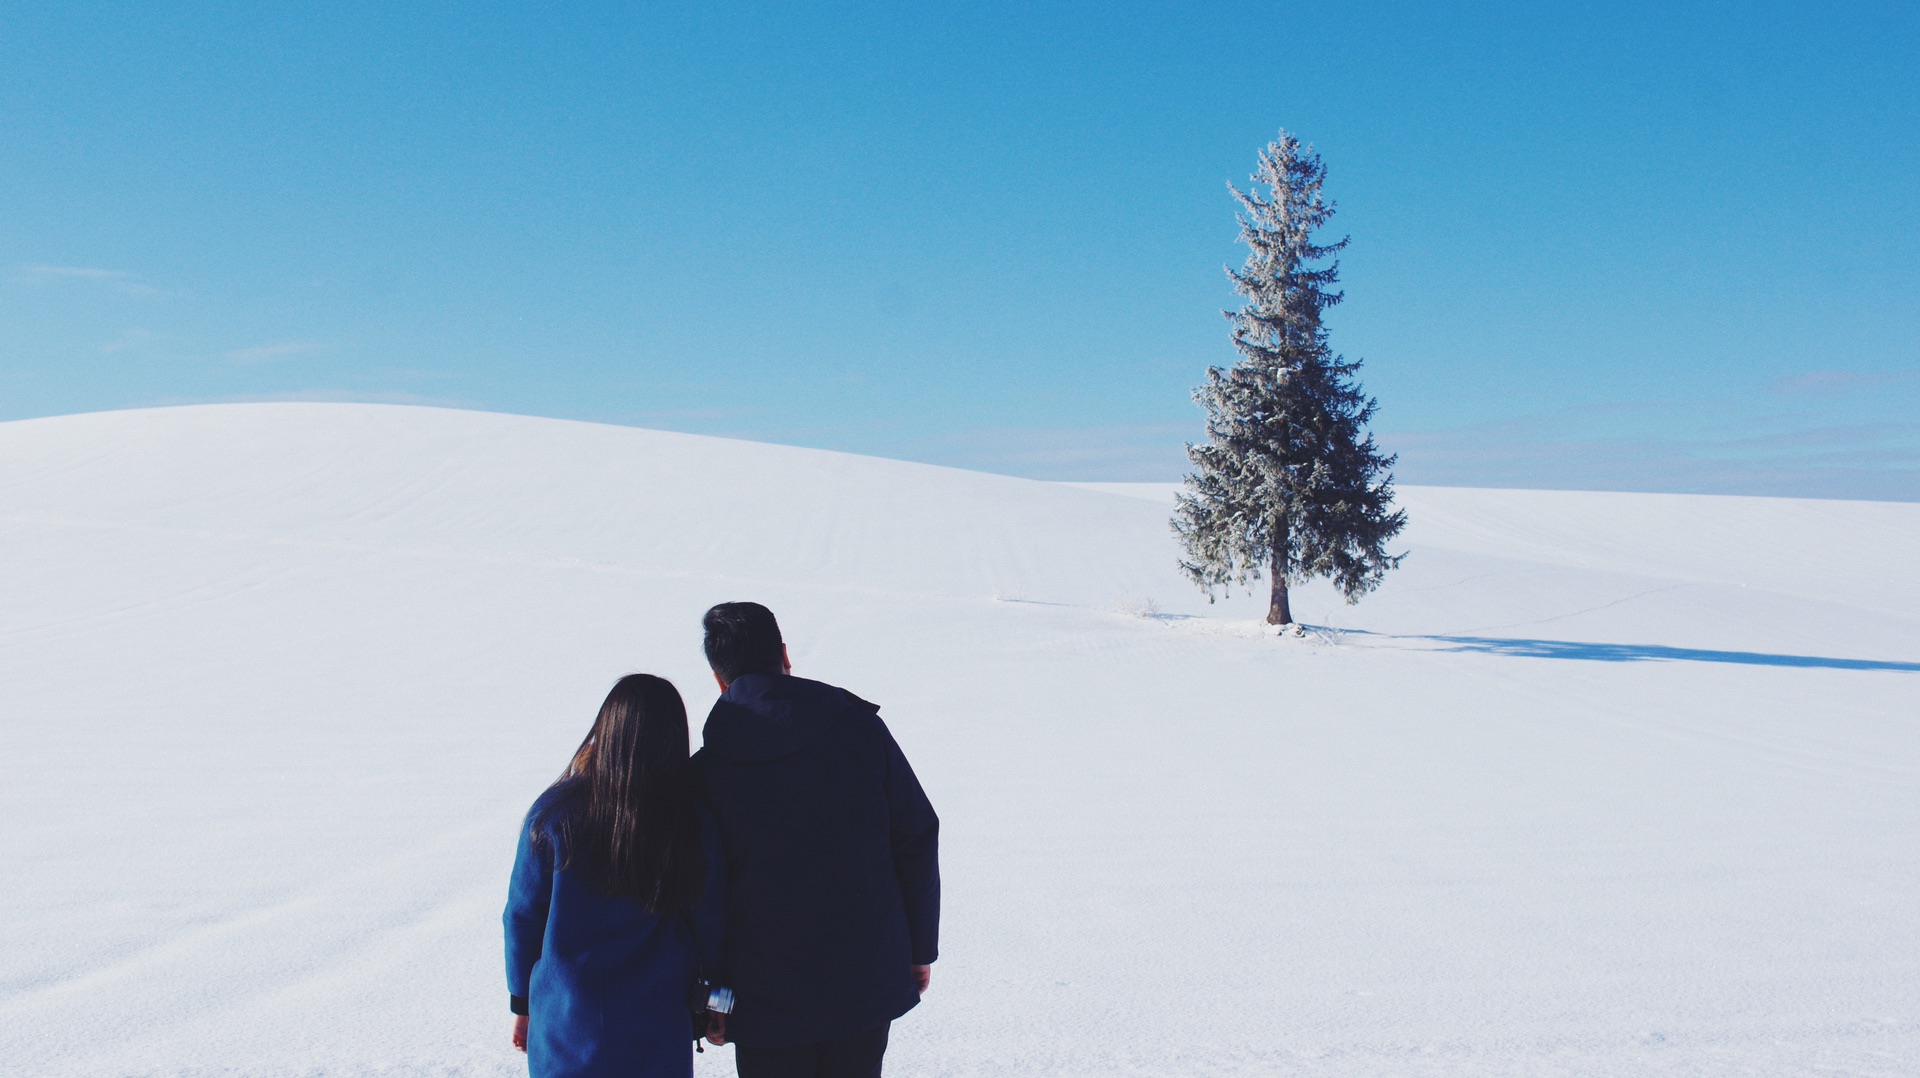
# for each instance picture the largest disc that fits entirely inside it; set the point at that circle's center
(743, 638)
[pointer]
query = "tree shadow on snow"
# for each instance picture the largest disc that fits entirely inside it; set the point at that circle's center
(1632, 653)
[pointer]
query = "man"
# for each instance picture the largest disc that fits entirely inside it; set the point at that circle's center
(833, 911)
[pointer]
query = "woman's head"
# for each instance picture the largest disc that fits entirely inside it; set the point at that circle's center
(641, 730)
(627, 818)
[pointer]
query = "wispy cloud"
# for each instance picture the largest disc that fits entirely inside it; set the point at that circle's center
(85, 273)
(1839, 383)
(1121, 452)
(269, 353)
(670, 417)
(1874, 461)
(118, 280)
(129, 341)
(321, 396)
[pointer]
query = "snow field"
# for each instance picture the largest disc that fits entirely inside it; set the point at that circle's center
(1597, 784)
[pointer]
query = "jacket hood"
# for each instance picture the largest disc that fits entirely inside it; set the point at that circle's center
(764, 717)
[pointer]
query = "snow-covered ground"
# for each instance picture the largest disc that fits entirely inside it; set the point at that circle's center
(1597, 784)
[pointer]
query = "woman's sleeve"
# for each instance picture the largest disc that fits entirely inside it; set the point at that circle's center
(710, 912)
(528, 895)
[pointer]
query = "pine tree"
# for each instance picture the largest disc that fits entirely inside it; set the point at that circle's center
(1289, 482)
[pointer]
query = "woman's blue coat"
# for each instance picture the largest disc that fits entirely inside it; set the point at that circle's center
(605, 982)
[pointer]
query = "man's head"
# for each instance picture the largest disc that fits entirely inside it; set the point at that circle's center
(743, 638)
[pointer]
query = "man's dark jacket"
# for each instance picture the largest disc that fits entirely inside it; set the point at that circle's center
(833, 891)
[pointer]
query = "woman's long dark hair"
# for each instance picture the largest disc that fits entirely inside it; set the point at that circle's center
(623, 809)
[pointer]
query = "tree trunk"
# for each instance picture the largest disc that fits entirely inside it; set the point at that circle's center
(1278, 612)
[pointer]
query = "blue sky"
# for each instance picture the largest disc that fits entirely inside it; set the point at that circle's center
(1654, 247)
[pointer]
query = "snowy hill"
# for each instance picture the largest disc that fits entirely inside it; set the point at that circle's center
(1598, 784)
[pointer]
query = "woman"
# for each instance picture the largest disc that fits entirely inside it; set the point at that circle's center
(616, 900)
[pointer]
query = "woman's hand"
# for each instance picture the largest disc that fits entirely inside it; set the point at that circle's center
(520, 1032)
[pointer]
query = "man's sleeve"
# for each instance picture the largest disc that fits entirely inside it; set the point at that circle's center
(916, 852)
(710, 913)
(528, 895)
